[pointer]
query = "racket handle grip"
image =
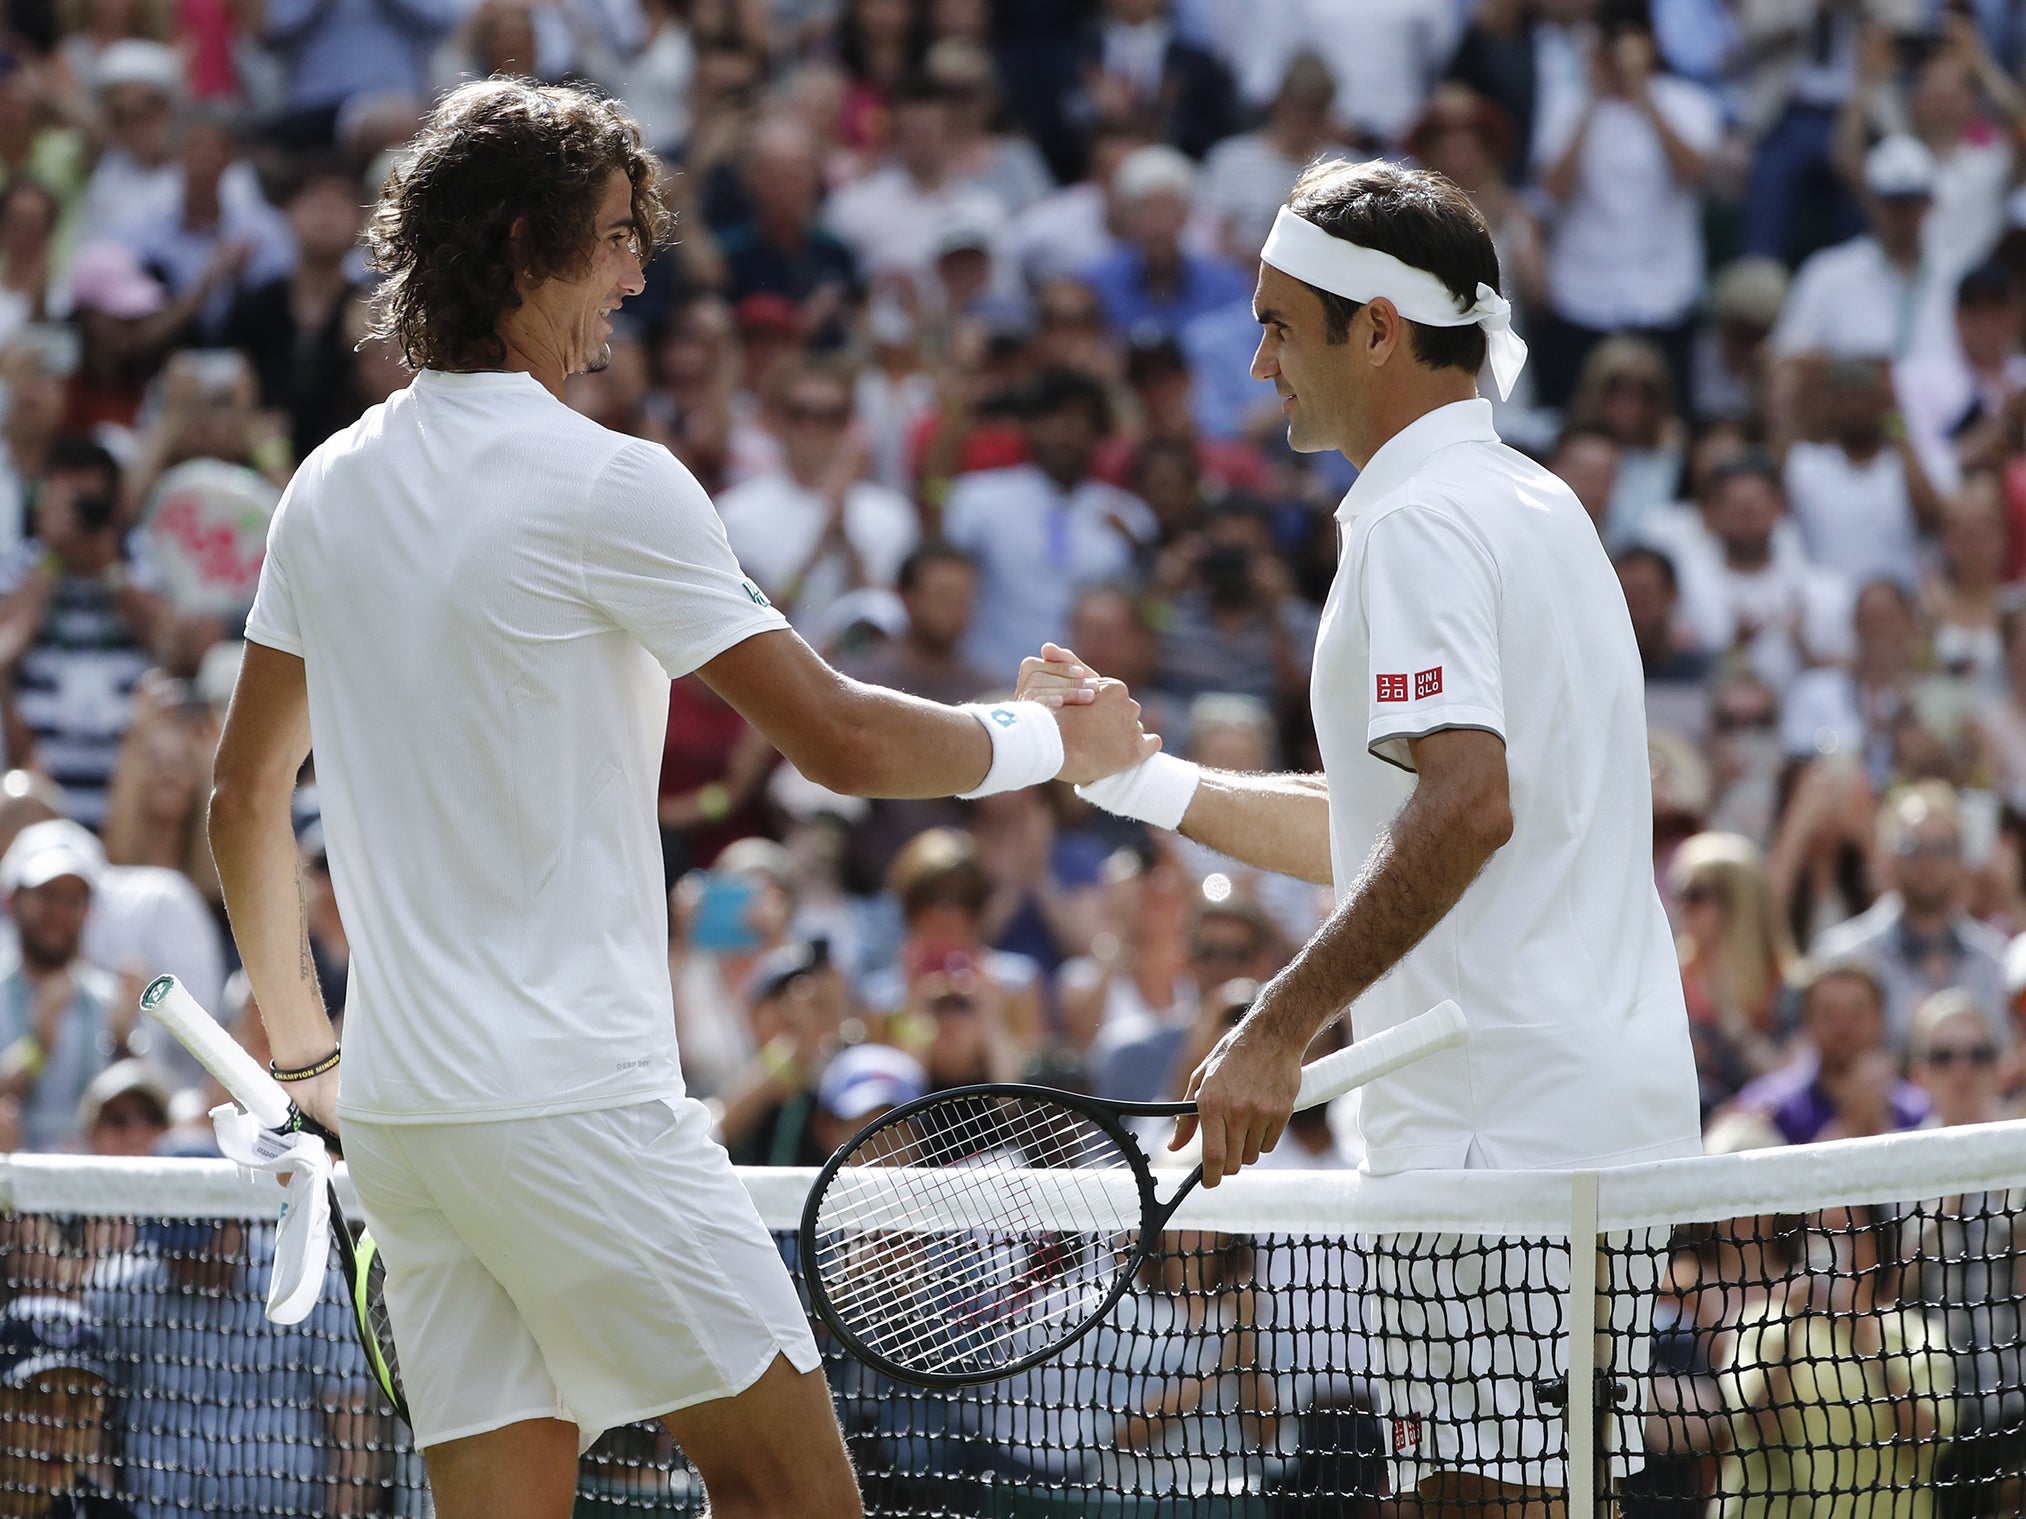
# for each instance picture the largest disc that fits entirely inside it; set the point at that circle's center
(218, 1052)
(1440, 1028)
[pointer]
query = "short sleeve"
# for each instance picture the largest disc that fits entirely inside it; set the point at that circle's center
(1431, 594)
(655, 559)
(273, 619)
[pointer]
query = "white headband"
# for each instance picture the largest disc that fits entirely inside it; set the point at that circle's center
(1297, 246)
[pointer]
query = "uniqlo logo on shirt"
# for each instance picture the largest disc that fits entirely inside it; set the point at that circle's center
(1392, 688)
(1406, 1435)
(1427, 683)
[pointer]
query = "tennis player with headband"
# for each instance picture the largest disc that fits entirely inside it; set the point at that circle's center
(1484, 813)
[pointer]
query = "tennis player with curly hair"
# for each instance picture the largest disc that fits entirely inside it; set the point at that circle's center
(472, 603)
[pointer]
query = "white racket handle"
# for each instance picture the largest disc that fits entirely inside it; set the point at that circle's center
(218, 1052)
(1440, 1028)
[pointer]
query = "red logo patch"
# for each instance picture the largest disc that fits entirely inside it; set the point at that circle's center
(1392, 688)
(1427, 683)
(1406, 1435)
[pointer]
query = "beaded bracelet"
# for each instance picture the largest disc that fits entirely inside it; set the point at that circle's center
(307, 1072)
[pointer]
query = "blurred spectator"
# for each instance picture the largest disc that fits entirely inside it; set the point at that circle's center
(28, 282)
(1875, 296)
(714, 770)
(1855, 710)
(334, 50)
(1109, 627)
(1675, 694)
(56, 1393)
(1998, 726)
(724, 922)
(1044, 882)
(1626, 392)
(861, 1083)
(1586, 460)
(1623, 163)
(34, 368)
(1042, 530)
(1246, 178)
(795, 1003)
(1163, 385)
(1384, 66)
(76, 631)
(220, 236)
(781, 250)
(124, 1111)
(1135, 972)
(62, 1019)
(1964, 598)
(1777, 610)
(817, 528)
(651, 71)
(1917, 936)
(1136, 1054)
(1944, 107)
(1954, 1056)
(1736, 958)
(1067, 231)
(943, 891)
(1005, 165)
(156, 804)
(1860, 497)
(1844, 1080)
(293, 329)
(881, 44)
(891, 218)
(1135, 65)
(1962, 401)
(1727, 375)
(1152, 284)
(1235, 623)
(136, 87)
(126, 324)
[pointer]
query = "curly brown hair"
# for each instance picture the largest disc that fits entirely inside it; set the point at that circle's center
(498, 156)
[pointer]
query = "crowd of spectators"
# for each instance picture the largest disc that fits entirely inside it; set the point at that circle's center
(957, 333)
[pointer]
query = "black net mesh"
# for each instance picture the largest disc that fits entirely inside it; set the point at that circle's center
(1860, 1361)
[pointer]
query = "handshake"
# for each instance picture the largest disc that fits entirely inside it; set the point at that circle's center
(1113, 762)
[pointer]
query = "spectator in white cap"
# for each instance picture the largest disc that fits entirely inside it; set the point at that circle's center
(1151, 284)
(136, 87)
(861, 1083)
(125, 1110)
(1875, 296)
(61, 1017)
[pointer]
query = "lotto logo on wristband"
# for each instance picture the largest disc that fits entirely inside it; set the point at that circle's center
(1392, 688)
(1427, 683)
(1005, 717)
(1406, 1435)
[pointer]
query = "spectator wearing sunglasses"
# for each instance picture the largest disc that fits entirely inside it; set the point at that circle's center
(1955, 1059)
(1918, 935)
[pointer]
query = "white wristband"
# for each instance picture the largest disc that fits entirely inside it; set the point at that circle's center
(1157, 790)
(1026, 745)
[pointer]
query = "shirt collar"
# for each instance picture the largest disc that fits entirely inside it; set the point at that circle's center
(1401, 455)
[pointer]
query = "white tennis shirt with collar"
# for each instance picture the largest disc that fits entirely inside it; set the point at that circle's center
(1473, 592)
(490, 594)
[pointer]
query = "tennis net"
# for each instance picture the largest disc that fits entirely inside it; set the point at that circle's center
(1826, 1330)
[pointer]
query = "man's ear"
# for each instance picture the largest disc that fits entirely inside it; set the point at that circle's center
(1386, 330)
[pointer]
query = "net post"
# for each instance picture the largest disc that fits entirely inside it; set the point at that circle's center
(1581, 1417)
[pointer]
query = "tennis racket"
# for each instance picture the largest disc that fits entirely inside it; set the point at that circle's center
(973, 1233)
(260, 1094)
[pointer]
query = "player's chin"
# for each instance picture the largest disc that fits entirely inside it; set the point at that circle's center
(600, 358)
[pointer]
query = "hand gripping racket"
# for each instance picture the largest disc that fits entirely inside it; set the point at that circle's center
(260, 1094)
(976, 1232)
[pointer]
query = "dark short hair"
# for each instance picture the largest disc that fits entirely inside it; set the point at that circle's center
(929, 551)
(1850, 967)
(1420, 218)
(498, 154)
(1058, 388)
(1986, 285)
(76, 453)
(1659, 561)
(308, 170)
(1752, 464)
(1578, 432)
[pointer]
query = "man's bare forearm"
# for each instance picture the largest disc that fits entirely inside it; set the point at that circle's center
(1270, 822)
(1417, 871)
(261, 874)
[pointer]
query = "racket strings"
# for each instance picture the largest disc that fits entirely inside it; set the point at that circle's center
(976, 1233)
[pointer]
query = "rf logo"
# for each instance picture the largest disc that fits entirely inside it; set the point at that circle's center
(1392, 688)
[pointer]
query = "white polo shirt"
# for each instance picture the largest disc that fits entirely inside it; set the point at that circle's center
(490, 594)
(1473, 592)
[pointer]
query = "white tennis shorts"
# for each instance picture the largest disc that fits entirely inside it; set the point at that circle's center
(600, 1267)
(1471, 1354)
